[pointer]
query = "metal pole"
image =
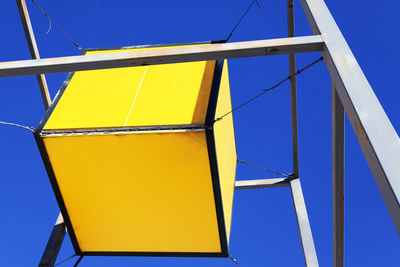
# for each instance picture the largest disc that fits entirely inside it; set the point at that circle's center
(375, 134)
(30, 38)
(57, 235)
(54, 244)
(307, 242)
(293, 93)
(163, 56)
(337, 179)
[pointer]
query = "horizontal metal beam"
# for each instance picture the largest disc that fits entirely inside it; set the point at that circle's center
(262, 183)
(375, 134)
(163, 56)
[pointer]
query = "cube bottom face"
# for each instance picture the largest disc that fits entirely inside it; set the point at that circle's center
(139, 192)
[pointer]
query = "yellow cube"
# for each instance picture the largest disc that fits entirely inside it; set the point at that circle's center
(137, 162)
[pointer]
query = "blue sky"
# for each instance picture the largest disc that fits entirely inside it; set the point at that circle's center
(264, 230)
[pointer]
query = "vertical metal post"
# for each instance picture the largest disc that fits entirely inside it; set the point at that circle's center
(54, 244)
(293, 93)
(30, 38)
(307, 242)
(337, 179)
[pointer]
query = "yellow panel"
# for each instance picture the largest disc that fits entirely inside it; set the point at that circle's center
(99, 98)
(225, 147)
(137, 192)
(173, 94)
(136, 96)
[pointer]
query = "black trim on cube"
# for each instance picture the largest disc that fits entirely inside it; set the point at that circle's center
(211, 152)
(212, 103)
(47, 164)
(54, 102)
(217, 191)
(117, 130)
(155, 254)
(57, 192)
(212, 155)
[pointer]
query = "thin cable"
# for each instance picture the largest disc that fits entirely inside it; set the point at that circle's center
(78, 261)
(271, 88)
(234, 260)
(55, 23)
(49, 29)
(18, 125)
(262, 168)
(242, 17)
(64, 260)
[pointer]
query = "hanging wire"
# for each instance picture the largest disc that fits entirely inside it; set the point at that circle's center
(262, 168)
(241, 18)
(49, 29)
(64, 260)
(271, 88)
(234, 260)
(55, 23)
(18, 125)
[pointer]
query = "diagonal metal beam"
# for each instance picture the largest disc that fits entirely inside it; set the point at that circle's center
(376, 135)
(163, 56)
(30, 39)
(54, 244)
(307, 242)
(57, 235)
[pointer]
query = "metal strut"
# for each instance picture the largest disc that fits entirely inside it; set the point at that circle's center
(307, 242)
(33, 49)
(57, 235)
(54, 244)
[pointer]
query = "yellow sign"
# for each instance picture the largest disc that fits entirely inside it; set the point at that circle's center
(137, 162)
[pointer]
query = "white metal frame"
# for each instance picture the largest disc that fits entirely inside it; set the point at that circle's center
(351, 94)
(163, 56)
